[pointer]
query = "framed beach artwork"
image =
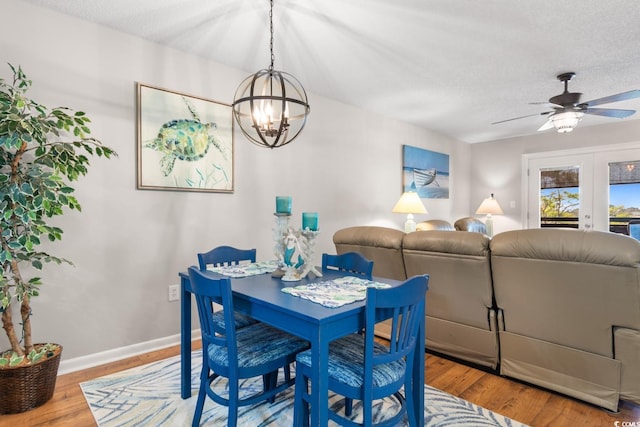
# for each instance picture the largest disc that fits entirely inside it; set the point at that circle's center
(425, 172)
(184, 142)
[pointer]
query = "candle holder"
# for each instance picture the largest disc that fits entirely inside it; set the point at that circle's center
(282, 225)
(309, 249)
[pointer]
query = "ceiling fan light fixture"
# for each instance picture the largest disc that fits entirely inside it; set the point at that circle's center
(270, 106)
(566, 121)
(567, 110)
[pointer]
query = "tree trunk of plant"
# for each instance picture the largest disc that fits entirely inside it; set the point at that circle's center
(25, 312)
(7, 325)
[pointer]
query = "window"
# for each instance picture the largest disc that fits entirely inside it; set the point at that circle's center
(624, 194)
(560, 197)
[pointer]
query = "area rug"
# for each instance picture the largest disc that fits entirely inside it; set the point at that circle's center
(149, 395)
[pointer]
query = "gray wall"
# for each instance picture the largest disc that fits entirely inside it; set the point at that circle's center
(497, 166)
(128, 245)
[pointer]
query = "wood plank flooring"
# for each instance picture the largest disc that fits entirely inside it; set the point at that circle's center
(516, 400)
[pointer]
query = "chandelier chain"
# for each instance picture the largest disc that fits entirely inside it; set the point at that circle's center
(271, 42)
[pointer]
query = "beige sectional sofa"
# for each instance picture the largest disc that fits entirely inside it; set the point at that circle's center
(557, 308)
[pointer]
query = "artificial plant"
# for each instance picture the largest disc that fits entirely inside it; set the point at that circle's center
(42, 151)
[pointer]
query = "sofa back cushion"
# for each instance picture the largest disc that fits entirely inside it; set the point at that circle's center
(434, 224)
(458, 264)
(381, 245)
(568, 287)
(470, 224)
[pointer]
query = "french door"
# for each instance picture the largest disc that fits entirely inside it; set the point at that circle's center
(597, 190)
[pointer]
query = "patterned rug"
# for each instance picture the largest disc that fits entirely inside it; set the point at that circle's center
(149, 395)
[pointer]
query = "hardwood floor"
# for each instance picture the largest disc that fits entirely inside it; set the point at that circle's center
(524, 403)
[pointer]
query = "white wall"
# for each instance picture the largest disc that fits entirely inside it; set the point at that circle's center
(128, 245)
(497, 166)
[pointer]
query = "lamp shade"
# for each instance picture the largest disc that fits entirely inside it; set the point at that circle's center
(409, 203)
(490, 206)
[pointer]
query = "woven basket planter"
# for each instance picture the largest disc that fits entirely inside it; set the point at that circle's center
(26, 387)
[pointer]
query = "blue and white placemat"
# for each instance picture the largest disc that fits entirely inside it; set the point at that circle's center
(335, 293)
(246, 270)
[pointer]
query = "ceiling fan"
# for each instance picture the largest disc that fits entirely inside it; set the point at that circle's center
(568, 110)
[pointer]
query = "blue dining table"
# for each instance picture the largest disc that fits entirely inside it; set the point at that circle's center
(261, 297)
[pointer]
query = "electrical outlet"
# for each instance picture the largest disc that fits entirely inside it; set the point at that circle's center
(174, 292)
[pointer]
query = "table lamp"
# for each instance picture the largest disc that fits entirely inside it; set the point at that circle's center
(489, 206)
(410, 204)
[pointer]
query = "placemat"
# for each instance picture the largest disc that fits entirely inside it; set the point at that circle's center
(246, 270)
(335, 293)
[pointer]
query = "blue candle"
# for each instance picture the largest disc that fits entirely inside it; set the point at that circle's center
(310, 221)
(283, 204)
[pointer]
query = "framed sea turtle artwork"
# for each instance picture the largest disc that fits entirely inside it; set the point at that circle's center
(426, 172)
(184, 142)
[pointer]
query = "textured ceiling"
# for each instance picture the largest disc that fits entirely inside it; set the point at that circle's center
(454, 66)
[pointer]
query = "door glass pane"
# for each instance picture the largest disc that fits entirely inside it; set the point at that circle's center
(560, 197)
(624, 195)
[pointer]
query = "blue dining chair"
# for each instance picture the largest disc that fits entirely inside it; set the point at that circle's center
(352, 262)
(253, 351)
(361, 368)
(225, 256)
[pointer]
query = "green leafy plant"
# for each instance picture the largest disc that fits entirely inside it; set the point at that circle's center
(42, 150)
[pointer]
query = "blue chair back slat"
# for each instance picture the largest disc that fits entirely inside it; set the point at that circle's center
(225, 255)
(352, 262)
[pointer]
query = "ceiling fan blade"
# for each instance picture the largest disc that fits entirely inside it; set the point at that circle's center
(609, 112)
(632, 94)
(522, 117)
(547, 125)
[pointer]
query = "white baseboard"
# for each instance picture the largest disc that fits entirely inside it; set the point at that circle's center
(102, 358)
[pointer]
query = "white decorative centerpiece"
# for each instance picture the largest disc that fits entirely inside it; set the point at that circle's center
(294, 249)
(309, 246)
(293, 255)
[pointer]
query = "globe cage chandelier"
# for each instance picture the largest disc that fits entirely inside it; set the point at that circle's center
(271, 106)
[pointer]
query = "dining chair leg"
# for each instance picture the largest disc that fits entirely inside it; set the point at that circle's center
(348, 406)
(266, 384)
(300, 404)
(232, 417)
(287, 373)
(202, 394)
(408, 401)
(270, 381)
